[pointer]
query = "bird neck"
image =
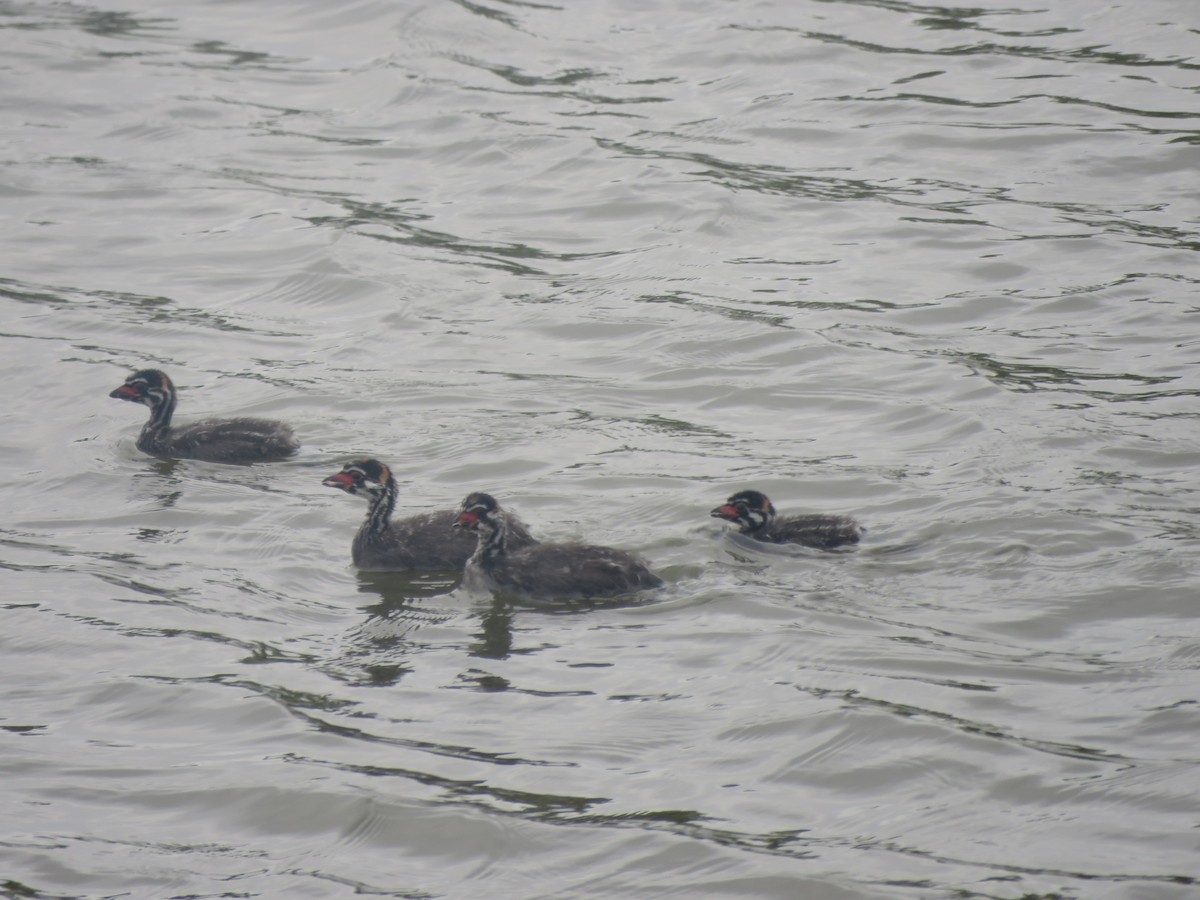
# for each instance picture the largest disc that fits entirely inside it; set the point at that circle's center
(493, 542)
(379, 512)
(162, 408)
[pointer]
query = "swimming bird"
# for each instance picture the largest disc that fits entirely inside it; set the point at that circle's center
(758, 520)
(214, 440)
(545, 570)
(425, 542)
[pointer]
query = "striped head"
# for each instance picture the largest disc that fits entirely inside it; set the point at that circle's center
(749, 509)
(366, 478)
(478, 511)
(149, 386)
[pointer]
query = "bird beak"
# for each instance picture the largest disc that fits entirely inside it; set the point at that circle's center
(725, 512)
(467, 520)
(341, 480)
(126, 392)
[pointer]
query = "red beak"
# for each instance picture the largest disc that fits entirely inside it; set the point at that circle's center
(125, 392)
(467, 520)
(725, 512)
(340, 480)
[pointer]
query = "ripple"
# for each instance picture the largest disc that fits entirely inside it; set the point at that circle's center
(930, 266)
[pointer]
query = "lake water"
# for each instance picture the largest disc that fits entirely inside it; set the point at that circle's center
(932, 266)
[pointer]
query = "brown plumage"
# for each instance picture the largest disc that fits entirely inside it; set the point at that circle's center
(544, 571)
(426, 542)
(756, 516)
(214, 440)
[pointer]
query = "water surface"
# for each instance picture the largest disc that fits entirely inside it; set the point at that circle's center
(933, 266)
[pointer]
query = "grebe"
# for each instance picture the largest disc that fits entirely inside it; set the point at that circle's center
(214, 440)
(544, 571)
(756, 514)
(424, 542)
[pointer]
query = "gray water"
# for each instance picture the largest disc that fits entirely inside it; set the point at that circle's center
(932, 266)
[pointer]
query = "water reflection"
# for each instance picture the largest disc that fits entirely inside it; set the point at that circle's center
(397, 591)
(380, 650)
(410, 603)
(608, 259)
(494, 640)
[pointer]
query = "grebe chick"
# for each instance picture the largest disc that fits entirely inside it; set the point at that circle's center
(214, 440)
(422, 543)
(544, 571)
(756, 514)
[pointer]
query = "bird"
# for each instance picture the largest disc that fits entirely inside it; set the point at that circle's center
(544, 571)
(215, 440)
(756, 516)
(425, 542)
